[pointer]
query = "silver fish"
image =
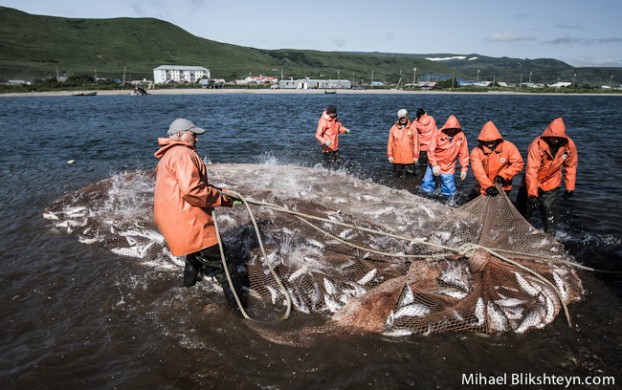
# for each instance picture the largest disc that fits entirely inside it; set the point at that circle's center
(413, 310)
(406, 297)
(367, 277)
(497, 319)
(479, 312)
(526, 286)
(273, 294)
(331, 304)
(397, 333)
(531, 320)
(329, 287)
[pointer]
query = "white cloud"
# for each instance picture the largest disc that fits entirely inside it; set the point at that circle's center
(508, 38)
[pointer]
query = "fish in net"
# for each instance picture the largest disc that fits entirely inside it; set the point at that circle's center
(360, 255)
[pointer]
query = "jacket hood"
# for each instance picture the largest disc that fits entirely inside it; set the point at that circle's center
(452, 123)
(557, 128)
(489, 133)
(168, 143)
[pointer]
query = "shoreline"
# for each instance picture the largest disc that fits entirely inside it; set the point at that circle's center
(225, 91)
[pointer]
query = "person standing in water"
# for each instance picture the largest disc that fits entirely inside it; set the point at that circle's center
(550, 157)
(494, 160)
(327, 134)
(447, 146)
(403, 145)
(426, 129)
(183, 204)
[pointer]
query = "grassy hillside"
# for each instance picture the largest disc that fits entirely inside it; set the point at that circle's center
(33, 46)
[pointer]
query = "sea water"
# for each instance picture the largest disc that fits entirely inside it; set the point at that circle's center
(78, 316)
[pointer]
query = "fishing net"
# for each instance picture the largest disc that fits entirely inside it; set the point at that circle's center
(362, 256)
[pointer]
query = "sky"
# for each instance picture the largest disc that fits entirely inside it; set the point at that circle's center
(578, 32)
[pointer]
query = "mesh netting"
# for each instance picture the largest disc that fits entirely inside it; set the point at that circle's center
(361, 255)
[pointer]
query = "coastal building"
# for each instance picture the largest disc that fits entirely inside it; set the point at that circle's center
(307, 83)
(179, 74)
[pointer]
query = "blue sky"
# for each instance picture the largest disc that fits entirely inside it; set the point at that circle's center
(578, 32)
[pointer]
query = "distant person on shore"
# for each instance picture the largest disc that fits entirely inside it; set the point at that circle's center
(403, 145)
(494, 160)
(447, 146)
(550, 157)
(327, 133)
(183, 204)
(426, 129)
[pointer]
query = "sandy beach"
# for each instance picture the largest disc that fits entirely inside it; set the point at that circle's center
(201, 91)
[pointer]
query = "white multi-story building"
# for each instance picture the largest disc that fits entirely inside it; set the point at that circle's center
(179, 74)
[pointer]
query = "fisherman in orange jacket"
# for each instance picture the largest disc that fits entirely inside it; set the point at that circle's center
(549, 157)
(183, 204)
(403, 144)
(494, 160)
(327, 133)
(448, 145)
(426, 129)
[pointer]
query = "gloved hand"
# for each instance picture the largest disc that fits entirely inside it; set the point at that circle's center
(436, 170)
(415, 160)
(348, 131)
(499, 179)
(492, 191)
(391, 160)
(463, 175)
(230, 200)
(533, 202)
(327, 142)
(568, 194)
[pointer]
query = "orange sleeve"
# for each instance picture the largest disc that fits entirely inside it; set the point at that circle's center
(534, 155)
(570, 167)
(478, 169)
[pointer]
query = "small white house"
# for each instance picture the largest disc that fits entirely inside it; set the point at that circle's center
(179, 74)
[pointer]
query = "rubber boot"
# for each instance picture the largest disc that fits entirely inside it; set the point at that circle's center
(191, 271)
(226, 288)
(548, 208)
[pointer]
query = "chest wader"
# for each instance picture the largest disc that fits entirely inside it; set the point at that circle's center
(331, 160)
(209, 262)
(547, 201)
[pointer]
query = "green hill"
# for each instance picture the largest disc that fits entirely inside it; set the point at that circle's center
(34, 46)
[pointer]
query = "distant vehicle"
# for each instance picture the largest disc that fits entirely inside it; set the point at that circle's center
(212, 83)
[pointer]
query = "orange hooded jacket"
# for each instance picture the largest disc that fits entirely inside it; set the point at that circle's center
(544, 170)
(328, 129)
(403, 143)
(505, 160)
(444, 153)
(183, 199)
(426, 127)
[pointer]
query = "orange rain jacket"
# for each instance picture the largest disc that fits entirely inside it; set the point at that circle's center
(183, 199)
(403, 143)
(545, 171)
(444, 153)
(328, 129)
(426, 127)
(505, 160)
